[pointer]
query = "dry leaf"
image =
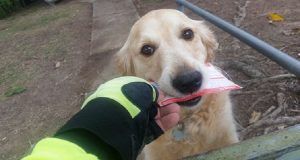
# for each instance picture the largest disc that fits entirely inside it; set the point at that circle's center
(255, 116)
(275, 17)
(57, 65)
(281, 127)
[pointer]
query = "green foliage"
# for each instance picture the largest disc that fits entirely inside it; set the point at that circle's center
(8, 6)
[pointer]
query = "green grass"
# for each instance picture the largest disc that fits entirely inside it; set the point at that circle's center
(21, 22)
(26, 38)
(11, 78)
(14, 90)
(9, 73)
(37, 23)
(7, 7)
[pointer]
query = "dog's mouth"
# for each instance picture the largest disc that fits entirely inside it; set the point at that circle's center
(184, 101)
(190, 103)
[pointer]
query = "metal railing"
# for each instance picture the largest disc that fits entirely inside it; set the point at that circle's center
(284, 60)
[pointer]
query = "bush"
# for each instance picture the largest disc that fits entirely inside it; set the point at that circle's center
(8, 6)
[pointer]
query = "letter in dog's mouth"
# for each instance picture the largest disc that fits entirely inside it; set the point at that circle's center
(217, 82)
(189, 100)
(190, 103)
(184, 101)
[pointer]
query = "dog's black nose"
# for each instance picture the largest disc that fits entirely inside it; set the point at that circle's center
(188, 81)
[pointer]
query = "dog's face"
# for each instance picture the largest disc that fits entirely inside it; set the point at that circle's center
(167, 47)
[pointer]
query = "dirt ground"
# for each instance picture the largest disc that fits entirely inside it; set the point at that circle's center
(44, 53)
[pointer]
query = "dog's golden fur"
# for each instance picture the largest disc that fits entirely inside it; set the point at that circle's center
(207, 125)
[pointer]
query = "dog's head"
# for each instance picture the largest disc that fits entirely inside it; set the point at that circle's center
(168, 47)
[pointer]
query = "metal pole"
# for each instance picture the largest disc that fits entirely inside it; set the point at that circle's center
(181, 7)
(289, 63)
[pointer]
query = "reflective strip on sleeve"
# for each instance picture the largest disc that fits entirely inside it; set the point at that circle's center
(54, 149)
(112, 90)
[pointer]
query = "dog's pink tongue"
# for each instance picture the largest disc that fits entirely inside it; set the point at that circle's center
(217, 82)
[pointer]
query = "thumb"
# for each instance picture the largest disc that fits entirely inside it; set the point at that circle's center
(168, 116)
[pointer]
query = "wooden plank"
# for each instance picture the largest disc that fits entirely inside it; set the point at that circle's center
(281, 145)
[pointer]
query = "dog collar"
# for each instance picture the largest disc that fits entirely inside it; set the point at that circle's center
(178, 132)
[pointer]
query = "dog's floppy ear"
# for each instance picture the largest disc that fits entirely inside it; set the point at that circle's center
(124, 61)
(208, 39)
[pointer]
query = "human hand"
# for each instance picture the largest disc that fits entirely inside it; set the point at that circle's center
(124, 113)
(167, 116)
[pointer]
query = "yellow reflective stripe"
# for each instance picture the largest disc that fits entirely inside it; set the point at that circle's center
(154, 94)
(112, 90)
(54, 149)
(120, 98)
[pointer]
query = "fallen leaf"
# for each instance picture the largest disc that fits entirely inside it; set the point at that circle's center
(281, 127)
(255, 116)
(275, 17)
(270, 21)
(57, 65)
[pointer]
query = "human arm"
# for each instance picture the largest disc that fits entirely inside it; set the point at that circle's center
(116, 121)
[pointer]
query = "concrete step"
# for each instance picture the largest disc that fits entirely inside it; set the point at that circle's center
(112, 20)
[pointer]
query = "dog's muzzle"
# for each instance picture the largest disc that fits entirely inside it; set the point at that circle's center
(188, 82)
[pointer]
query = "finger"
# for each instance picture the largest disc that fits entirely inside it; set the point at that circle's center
(171, 108)
(158, 114)
(160, 124)
(169, 121)
(161, 95)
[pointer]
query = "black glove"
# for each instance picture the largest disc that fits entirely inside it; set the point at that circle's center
(120, 114)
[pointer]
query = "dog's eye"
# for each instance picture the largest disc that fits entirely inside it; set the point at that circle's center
(187, 34)
(147, 50)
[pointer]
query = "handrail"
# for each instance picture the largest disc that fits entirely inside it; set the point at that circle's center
(284, 60)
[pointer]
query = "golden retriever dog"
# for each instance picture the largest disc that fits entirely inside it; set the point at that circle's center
(167, 47)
